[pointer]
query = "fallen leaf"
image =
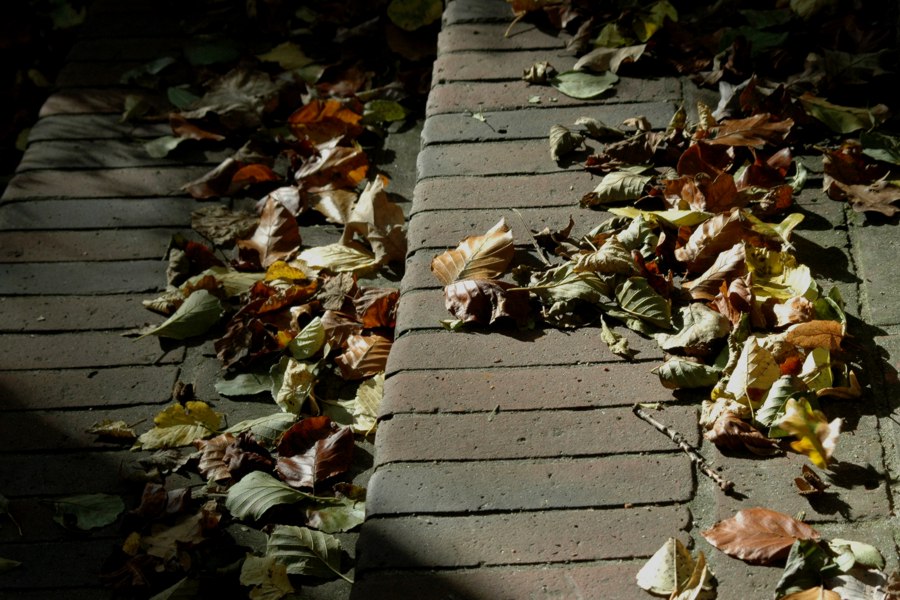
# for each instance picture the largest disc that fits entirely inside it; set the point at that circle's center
(309, 341)
(844, 119)
(166, 542)
(754, 373)
(377, 307)
(816, 593)
(755, 131)
(7, 564)
(667, 570)
(810, 484)
(113, 430)
(617, 186)
(88, 511)
(678, 373)
(212, 463)
(222, 226)
(611, 258)
(379, 221)
(296, 385)
(477, 257)
(485, 301)
(243, 384)
(288, 55)
(180, 425)
(636, 297)
(200, 311)
(366, 355)
(732, 432)
(314, 450)
(616, 343)
(816, 334)
(322, 120)
(758, 535)
(306, 552)
(268, 429)
(609, 59)
(266, 576)
(583, 86)
(258, 492)
(239, 99)
(563, 141)
(816, 436)
(876, 197)
(729, 265)
(276, 237)
(540, 73)
(701, 326)
(340, 258)
(344, 512)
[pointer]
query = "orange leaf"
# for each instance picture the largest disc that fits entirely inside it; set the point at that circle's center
(366, 355)
(477, 257)
(816, 334)
(755, 131)
(758, 535)
(251, 174)
(322, 120)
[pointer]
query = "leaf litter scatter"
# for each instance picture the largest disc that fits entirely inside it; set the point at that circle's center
(298, 96)
(698, 253)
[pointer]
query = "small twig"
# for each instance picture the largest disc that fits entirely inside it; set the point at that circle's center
(537, 247)
(693, 454)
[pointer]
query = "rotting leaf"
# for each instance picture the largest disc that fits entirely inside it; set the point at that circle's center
(732, 432)
(540, 73)
(810, 484)
(222, 226)
(758, 535)
(118, 431)
(477, 257)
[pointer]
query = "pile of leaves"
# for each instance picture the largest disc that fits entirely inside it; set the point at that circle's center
(308, 326)
(814, 568)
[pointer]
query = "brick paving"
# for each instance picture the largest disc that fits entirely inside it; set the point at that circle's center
(506, 466)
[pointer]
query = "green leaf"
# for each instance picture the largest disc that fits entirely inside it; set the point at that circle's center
(843, 119)
(306, 552)
(581, 85)
(772, 408)
(337, 515)
(414, 14)
(881, 146)
(152, 68)
(162, 146)
(863, 554)
(383, 111)
(636, 297)
(646, 24)
(7, 564)
(678, 373)
(267, 430)
(244, 384)
(639, 235)
(288, 55)
(617, 187)
(257, 492)
(181, 97)
(564, 283)
(611, 37)
(816, 372)
(88, 511)
(798, 179)
(700, 326)
(194, 317)
(309, 341)
(803, 569)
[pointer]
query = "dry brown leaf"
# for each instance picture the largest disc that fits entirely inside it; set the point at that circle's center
(334, 205)
(563, 141)
(810, 484)
(730, 431)
(214, 183)
(728, 265)
(758, 535)
(477, 257)
(875, 197)
(816, 593)
(212, 457)
(377, 307)
(322, 120)
(710, 239)
(484, 301)
(334, 166)
(339, 327)
(816, 334)
(755, 131)
(366, 355)
(276, 236)
(379, 221)
(794, 310)
(222, 226)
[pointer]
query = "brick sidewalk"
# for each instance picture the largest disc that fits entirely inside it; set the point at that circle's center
(507, 467)
(510, 466)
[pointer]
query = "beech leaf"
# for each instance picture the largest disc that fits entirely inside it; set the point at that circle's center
(180, 425)
(678, 373)
(485, 301)
(618, 344)
(754, 373)
(816, 334)
(701, 325)
(617, 186)
(244, 384)
(266, 430)
(636, 297)
(583, 86)
(773, 406)
(414, 14)
(379, 221)
(268, 578)
(476, 257)
(609, 59)
(340, 258)
(728, 265)
(667, 570)
(611, 258)
(88, 511)
(313, 450)
(309, 341)
(755, 131)
(296, 384)
(342, 513)
(200, 311)
(844, 119)
(276, 237)
(758, 535)
(306, 552)
(563, 141)
(257, 492)
(366, 355)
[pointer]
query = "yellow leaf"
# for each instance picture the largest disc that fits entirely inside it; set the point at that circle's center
(816, 437)
(282, 270)
(777, 274)
(754, 374)
(180, 425)
(340, 259)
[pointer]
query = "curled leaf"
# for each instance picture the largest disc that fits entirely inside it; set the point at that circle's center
(563, 141)
(477, 257)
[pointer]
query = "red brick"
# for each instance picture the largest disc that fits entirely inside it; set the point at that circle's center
(858, 478)
(536, 123)
(97, 214)
(70, 350)
(108, 154)
(416, 276)
(527, 434)
(441, 230)
(91, 127)
(80, 388)
(93, 74)
(508, 95)
(496, 66)
(102, 183)
(495, 158)
(72, 313)
(515, 191)
(420, 310)
(489, 486)
(27, 279)
(87, 101)
(442, 350)
(490, 36)
(559, 536)
(74, 246)
(569, 582)
(532, 388)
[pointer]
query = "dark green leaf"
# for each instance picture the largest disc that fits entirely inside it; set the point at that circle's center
(257, 492)
(804, 567)
(306, 552)
(678, 373)
(194, 317)
(88, 511)
(636, 297)
(244, 384)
